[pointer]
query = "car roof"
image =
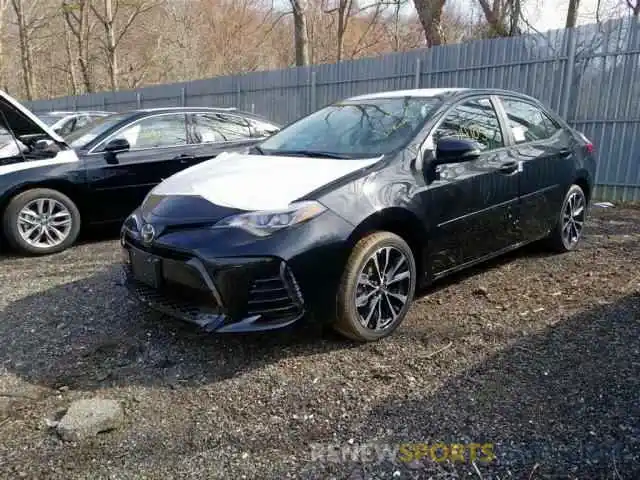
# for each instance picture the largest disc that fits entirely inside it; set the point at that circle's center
(416, 92)
(434, 92)
(143, 111)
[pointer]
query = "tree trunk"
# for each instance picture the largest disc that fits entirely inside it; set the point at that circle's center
(76, 16)
(112, 56)
(430, 13)
(25, 49)
(70, 60)
(572, 13)
(301, 33)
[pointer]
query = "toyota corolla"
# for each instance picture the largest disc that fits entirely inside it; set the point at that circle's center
(342, 214)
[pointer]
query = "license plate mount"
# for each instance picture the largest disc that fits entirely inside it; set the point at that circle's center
(147, 268)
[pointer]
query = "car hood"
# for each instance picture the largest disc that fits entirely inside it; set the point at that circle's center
(256, 182)
(22, 121)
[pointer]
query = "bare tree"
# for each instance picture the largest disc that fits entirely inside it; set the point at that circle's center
(503, 16)
(3, 8)
(113, 34)
(430, 13)
(76, 16)
(572, 13)
(634, 5)
(301, 32)
(31, 16)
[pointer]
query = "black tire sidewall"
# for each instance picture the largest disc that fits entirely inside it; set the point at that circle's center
(559, 240)
(10, 221)
(346, 305)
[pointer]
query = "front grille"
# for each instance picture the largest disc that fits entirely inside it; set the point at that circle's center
(157, 250)
(176, 302)
(275, 297)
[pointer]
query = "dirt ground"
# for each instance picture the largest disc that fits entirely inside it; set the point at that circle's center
(536, 354)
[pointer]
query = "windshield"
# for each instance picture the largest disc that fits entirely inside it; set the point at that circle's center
(81, 137)
(51, 118)
(353, 129)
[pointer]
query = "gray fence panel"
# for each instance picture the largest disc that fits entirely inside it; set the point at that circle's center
(589, 74)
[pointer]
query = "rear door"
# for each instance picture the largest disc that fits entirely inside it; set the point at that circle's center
(472, 206)
(212, 133)
(545, 151)
(119, 181)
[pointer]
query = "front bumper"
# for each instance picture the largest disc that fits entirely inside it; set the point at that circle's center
(252, 294)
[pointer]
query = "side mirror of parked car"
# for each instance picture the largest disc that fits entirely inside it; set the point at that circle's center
(117, 145)
(456, 150)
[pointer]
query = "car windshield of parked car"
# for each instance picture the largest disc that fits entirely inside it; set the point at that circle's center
(354, 129)
(82, 137)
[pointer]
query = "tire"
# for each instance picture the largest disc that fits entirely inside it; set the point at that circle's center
(350, 319)
(559, 239)
(63, 209)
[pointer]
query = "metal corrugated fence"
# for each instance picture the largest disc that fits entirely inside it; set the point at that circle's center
(590, 75)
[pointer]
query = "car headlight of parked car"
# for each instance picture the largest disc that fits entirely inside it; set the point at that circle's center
(265, 222)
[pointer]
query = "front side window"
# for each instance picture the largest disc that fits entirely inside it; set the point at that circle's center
(527, 122)
(67, 127)
(355, 128)
(82, 120)
(156, 132)
(475, 119)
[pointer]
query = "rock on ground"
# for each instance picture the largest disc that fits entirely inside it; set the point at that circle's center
(88, 417)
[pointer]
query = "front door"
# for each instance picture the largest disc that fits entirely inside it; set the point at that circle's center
(119, 181)
(471, 207)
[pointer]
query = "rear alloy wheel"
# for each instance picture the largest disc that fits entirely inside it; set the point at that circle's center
(568, 231)
(41, 221)
(377, 287)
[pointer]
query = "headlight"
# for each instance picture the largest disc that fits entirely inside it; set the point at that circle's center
(265, 222)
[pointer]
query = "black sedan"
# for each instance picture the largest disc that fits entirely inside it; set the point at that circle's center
(98, 174)
(344, 212)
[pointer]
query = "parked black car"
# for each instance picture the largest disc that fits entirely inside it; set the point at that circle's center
(345, 211)
(100, 173)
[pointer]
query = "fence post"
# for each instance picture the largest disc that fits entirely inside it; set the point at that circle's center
(313, 92)
(138, 100)
(568, 77)
(183, 97)
(416, 82)
(238, 93)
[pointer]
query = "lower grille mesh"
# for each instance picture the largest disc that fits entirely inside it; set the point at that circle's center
(275, 297)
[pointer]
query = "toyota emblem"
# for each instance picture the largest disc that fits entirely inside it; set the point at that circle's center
(148, 233)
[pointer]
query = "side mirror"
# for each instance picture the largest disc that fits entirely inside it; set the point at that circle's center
(117, 145)
(43, 144)
(456, 150)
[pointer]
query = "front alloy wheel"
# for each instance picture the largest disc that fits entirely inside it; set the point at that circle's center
(41, 221)
(377, 287)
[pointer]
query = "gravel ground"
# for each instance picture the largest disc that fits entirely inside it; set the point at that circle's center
(535, 354)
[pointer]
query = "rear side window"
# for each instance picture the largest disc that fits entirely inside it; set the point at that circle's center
(211, 127)
(527, 122)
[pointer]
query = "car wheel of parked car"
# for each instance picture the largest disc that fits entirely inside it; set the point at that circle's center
(41, 221)
(377, 287)
(568, 230)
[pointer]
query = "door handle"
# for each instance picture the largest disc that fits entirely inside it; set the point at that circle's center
(508, 167)
(565, 152)
(184, 158)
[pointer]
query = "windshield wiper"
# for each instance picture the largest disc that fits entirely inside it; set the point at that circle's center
(311, 153)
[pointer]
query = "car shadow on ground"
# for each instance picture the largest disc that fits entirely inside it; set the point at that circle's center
(89, 334)
(561, 404)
